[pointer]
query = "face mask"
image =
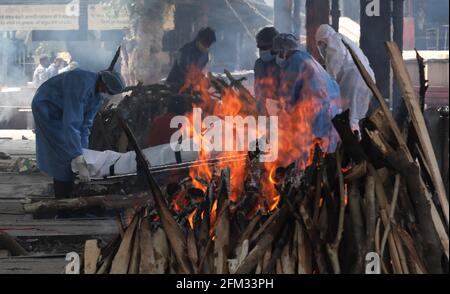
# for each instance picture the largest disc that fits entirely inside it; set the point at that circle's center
(280, 61)
(266, 55)
(201, 47)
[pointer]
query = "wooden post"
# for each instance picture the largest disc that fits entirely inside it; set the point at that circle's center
(335, 15)
(317, 13)
(375, 30)
(397, 21)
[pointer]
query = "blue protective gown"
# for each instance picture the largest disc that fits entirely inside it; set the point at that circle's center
(64, 108)
(189, 55)
(267, 79)
(303, 77)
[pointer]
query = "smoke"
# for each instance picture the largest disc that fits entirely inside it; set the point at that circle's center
(12, 100)
(13, 77)
(93, 55)
(12, 53)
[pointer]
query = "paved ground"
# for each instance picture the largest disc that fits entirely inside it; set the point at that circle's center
(47, 240)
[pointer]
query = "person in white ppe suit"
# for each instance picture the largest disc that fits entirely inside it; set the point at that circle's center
(355, 94)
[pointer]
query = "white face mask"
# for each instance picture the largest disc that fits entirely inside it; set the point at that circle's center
(281, 61)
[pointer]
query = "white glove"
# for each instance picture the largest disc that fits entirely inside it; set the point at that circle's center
(79, 166)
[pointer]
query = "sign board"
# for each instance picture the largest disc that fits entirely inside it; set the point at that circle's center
(39, 17)
(101, 18)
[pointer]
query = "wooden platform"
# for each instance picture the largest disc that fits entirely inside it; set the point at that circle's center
(17, 188)
(33, 265)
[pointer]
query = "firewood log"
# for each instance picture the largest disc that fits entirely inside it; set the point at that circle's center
(354, 203)
(281, 241)
(10, 244)
(91, 256)
(222, 231)
(304, 251)
(414, 183)
(287, 262)
(161, 251)
(418, 121)
(147, 262)
(264, 242)
(192, 249)
(172, 229)
(121, 259)
(135, 258)
(104, 201)
(370, 214)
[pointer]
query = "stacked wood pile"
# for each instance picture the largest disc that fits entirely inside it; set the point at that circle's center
(380, 194)
(139, 108)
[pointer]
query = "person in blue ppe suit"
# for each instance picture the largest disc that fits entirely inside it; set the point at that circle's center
(267, 71)
(192, 56)
(64, 108)
(304, 79)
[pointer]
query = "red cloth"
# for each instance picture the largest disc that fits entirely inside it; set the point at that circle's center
(160, 131)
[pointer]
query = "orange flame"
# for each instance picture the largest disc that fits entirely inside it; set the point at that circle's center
(296, 138)
(212, 223)
(191, 218)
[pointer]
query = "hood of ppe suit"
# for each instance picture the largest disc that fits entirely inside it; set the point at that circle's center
(285, 42)
(337, 56)
(113, 81)
(355, 94)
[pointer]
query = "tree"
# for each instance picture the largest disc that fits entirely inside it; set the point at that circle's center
(142, 57)
(317, 13)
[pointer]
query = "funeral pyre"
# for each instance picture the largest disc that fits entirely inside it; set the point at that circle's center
(370, 205)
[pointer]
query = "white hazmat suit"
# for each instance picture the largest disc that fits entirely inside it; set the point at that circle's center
(355, 94)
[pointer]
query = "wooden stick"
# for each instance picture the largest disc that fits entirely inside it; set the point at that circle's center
(354, 204)
(409, 244)
(356, 172)
(423, 81)
(333, 248)
(172, 229)
(91, 255)
(304, 250)
(135, 258)
(371, 217)
(9, 243)
(147, 262)
(105, 201)
(384, 107)
(222, 231)
(313, 235)
(266, 240)
(418, 121)
(387, 229)
(426, 222)
(121, 259)
(192, 249)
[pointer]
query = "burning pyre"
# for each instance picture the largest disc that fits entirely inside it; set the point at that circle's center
(308, 212)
